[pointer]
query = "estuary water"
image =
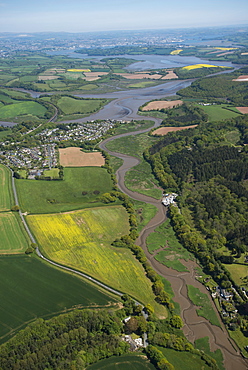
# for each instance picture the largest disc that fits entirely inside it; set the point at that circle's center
(145, 62)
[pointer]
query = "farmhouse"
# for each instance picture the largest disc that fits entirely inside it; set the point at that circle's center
(169, 199)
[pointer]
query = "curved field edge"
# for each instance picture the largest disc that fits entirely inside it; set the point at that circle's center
(6, 193)
(31, 288)
(202, 300)
(82, 240)
(76, 191)
(129, 361)
(14, 239)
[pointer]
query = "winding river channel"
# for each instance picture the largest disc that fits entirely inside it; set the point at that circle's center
(124, 106)
(195, 327)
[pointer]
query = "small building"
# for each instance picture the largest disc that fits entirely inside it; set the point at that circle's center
(169, 198)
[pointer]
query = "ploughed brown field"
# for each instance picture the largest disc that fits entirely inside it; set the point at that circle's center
(243, 110)
(242, 78)
(164, 130)
(153, 105)
(93, 76)
(74, 157)
(139, 76)
(170, 75)
(47, 78)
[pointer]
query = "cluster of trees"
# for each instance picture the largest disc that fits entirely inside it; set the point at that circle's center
(177, 343)
(73, 340)
(184, 73)
(210, 176)
(122, 50)
(161, 295)
(203, 164)
(220, 86)
(158, 359)
(186, 113)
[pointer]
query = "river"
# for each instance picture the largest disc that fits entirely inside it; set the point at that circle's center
(145, 62)
(195, 326)
(124, 106)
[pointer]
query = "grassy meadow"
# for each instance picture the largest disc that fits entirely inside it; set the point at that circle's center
(144, 213)
(129, 361)
(203, 345)
(166, 247)
(132, 145)
(139, 178)
(6, 194)
(184, 360)
(66, 195)
(201, 299)
(70, 105)
(22, 108)
(219, 112)
(82, 240)
(240, 340)
(13, 235)
(30, 288)
(238, 271)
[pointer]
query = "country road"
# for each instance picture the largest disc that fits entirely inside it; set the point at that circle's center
(125, 107)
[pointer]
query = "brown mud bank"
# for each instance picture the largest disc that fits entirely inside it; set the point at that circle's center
(195, 326)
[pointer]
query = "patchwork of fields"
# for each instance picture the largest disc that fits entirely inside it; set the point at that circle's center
(82, 240)
(13, 238)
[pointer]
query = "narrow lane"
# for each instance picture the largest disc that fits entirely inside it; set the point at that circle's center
(195, 326)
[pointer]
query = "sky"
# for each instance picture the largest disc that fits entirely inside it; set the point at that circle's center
(108, 15)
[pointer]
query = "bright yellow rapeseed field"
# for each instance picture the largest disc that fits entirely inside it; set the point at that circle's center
(176, 52)
(224, 49)
(82, 240)
(194, 66)
(78, 70)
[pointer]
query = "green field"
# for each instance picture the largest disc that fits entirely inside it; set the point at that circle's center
(201, 299)
(240, 340)
(6, 194)
(132, 145)
(164, 237)
(141, 180)
(153, 113)
(13, 235)
(238, 271)
(133, 126)
(142, 84)
(184, 360)
(57, 196)
(124, 362)
(82, 240)
(70, 106)
(53, 173)
(22, 108)
(30, 288)
(220, 112)
(144, 213)
(203, 345)
(4, 133)
(15, 94)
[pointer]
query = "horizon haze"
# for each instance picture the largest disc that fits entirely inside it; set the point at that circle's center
(81, 16)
